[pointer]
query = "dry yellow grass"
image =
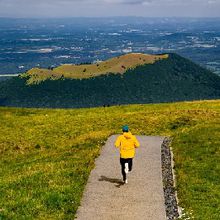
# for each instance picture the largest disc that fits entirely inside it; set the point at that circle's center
(114, 65)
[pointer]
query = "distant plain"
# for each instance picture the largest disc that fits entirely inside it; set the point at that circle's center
(28, 43)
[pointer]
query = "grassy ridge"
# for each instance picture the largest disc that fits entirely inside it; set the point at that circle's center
(47, 155)
(114, 65)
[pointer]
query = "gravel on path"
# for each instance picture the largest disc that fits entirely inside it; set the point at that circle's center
(170, 194)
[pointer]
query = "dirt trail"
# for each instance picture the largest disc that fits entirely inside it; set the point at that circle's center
(105, 196)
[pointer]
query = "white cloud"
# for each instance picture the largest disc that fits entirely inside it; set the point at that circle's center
(60, 8)
(126, 1)
(212, 2)
(133, 2)
(147, 2)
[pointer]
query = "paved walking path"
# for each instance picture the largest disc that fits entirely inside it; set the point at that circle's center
(105, 196)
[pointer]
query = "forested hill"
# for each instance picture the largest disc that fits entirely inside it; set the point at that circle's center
(166, 80)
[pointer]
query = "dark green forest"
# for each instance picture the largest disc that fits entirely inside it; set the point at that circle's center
(168, 80)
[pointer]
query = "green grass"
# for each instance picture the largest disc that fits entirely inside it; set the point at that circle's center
(47, 155)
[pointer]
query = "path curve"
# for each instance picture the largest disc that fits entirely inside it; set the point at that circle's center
(106, 198)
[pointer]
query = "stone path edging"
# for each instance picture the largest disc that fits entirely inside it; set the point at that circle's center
(169, 184)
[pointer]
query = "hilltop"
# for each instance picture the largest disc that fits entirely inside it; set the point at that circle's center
(114, 65)
(164, 78)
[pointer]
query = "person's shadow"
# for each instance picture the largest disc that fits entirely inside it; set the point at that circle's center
(118, 182)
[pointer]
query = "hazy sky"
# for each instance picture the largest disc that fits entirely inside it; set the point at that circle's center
(97, 8)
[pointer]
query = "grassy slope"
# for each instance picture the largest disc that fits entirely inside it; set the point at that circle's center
(115, 65)
(47, 155)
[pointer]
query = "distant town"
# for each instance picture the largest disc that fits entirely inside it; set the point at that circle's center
(47, 43)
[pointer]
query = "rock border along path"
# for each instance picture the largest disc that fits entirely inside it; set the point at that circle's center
(107, 198)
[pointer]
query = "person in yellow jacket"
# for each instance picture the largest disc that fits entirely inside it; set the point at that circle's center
(127, 144)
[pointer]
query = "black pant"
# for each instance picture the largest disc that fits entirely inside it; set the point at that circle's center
(123, 161)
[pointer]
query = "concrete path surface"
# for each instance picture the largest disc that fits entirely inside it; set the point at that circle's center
(107, 198)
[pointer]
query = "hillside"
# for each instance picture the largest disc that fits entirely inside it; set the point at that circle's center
(47, 155)
(166, 80)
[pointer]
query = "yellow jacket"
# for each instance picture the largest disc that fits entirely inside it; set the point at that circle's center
(127, 144)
